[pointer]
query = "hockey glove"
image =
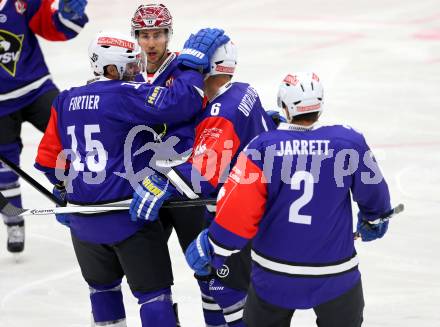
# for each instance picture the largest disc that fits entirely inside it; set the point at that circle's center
(199, 254)
(370, 232)
(277, 118)
(199, 48)
(60, 193)
(72, 9)
(149, 197)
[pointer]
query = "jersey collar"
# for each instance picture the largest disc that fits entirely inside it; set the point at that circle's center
(221, 90)
(165, 64)
(300, 128)
(98, 79)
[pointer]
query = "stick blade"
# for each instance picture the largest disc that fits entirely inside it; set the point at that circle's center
(399, 208)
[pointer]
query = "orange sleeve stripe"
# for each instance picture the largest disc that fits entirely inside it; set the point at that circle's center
(42, 23)
(242, 205)
(216, 144)
(50, 145)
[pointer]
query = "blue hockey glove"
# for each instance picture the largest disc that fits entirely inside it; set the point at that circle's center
(60, 193)
(149, 197)
(72, 9)
(199, 254)
(199, 48)
(276, 117)
(370, 232)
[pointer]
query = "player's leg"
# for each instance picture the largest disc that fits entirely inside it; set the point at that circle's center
(231, 285)
(344, 311)
(146, 262)
(10, 148)
(230, 301)
(212, 312)
(258, 313)
(103, 273)
(38, 112)
(187, 222)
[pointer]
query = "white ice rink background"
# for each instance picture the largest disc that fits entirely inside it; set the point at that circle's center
(380, 65)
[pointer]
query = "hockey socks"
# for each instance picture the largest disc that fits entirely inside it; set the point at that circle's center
(156, 308)
(222, 306)
(10, 188)
(107, 305)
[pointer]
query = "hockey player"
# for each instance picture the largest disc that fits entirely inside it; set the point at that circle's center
(232, 117)
(152, 26)
(26, 87)
(91, 123)
(290, 193)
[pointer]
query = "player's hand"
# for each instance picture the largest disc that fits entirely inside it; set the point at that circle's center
(72, 9)
(199, 48)
(60, 193)
(277, 118)
(199, 254)
(149, 197)
(369, 232)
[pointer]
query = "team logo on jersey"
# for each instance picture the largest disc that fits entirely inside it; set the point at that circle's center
(223, 271)
(3, 18)
(20, 6)
(10, 49)
(155, 95)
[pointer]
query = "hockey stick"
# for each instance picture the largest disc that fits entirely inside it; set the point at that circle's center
(31, 181)
(387, 216)
(9, 209)
(384, 217)
(73, 209)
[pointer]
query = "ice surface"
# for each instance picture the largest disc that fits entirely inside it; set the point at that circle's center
(380, 65)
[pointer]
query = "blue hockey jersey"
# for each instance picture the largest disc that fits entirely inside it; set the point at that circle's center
(24, 75)
(230, 121)
(183, 129)
(95, 122)
(290, 192)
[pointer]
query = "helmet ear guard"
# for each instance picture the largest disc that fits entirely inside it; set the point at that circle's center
(302, 93)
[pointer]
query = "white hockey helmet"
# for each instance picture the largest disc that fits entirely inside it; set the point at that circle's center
(301, 93)
(113, 48)
(224, 60)
(151, 16)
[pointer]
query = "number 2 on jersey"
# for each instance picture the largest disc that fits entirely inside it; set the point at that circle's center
(93, 147)
(295, 207)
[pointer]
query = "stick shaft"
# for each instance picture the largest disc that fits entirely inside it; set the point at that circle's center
(40, 188)
(11, 210)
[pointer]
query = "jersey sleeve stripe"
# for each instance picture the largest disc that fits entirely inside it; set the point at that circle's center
(69, 24)
(221, 251)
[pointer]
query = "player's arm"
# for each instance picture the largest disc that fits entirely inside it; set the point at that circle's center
(146, 104)
(216, 143)
(240, 207)
(239, 210)
(371, 193)
(50, 156)
(57, 23)
(369, 188)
